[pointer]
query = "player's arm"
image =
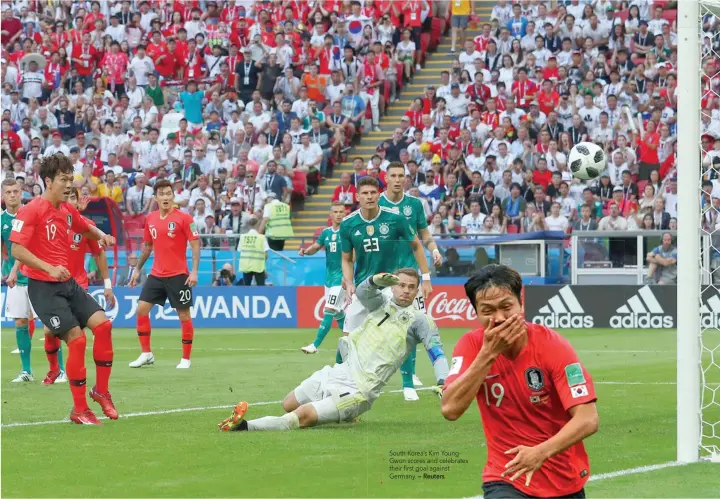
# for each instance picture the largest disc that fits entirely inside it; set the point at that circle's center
(144, 255)
(347, 261)
(194, 240)
(102, 264)
(12, 275)
(314, 248)
(472, 362)
(419, 253)
(574, 387)
(369, 292)
(425, 330)
(430, 243)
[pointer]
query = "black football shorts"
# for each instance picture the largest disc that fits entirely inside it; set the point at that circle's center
(503, 490)
(157, 289)
(61, 306)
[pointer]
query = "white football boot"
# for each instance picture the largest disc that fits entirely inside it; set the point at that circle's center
(145, 359)
(416, 381)
(309, 349)
(410, 394)
(184, 364)
(24, 377)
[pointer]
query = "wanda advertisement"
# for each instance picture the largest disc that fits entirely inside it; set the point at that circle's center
(448, 305)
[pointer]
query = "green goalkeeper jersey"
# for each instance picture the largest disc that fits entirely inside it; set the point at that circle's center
(375, 241)
(377, 349)
(412, 209)
(330, 240)
(6, 219)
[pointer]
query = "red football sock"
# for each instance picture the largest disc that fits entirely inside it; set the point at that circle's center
(103, 355)
(187, 337)
(75, 369)
(31, 328)
(143, 332)
(52, 345)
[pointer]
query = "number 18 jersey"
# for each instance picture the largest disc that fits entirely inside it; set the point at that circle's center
(330, 240)
(375, 241)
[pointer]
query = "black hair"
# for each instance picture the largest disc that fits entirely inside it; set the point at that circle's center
(161, 184)
(371, 181)
(494, 276)
(53, 165)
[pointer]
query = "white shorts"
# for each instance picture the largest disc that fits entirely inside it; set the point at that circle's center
(333, 394)
(17, 303)
(335, 298)
(355, 313)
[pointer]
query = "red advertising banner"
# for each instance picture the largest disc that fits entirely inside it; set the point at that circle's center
(448, 305)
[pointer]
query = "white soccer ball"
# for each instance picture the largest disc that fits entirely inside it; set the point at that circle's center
(587, 161)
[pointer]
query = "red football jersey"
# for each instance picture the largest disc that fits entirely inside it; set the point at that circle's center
(43, 230)
(79, 247)
(170, 236)
(525, 401)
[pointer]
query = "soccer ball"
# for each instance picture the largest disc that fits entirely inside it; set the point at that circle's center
(587, 161)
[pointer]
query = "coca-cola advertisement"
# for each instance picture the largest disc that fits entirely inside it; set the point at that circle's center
(448, 305)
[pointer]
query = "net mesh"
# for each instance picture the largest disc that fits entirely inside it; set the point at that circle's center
(710, 227)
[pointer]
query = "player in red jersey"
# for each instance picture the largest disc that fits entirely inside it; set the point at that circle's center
(79, 247)
(168, 231)
(40, 232)
(536, 400)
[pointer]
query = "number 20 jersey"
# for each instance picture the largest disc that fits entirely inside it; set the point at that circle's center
(169, 237)
(375, 241)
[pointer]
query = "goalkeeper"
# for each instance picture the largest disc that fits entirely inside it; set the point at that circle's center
(371, 355)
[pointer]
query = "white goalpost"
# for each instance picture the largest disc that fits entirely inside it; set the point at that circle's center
(698, 344)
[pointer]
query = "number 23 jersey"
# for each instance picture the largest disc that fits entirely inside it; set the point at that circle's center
(169, 237)
(525, 401)
(375, 241)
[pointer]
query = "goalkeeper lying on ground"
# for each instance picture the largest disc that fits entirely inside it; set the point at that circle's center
(371, 355)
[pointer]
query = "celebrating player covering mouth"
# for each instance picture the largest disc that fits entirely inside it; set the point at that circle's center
(40, 236)
(334, 293)
(411, 208)
(371, 354)
(536, 400)
(167, 230)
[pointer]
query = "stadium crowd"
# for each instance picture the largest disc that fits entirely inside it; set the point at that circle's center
(238, 101)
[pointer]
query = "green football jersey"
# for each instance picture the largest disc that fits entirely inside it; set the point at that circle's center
(6, 219)
(330, 240)
(411, 208)
(375, 241)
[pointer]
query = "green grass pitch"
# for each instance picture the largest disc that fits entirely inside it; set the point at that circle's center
(181, 453)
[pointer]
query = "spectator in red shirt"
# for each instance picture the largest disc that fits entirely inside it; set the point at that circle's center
(11, 136)
(11, 28)
(648, 158)
(548, 99)
(83, 59)
(346, 193)
(542, 176)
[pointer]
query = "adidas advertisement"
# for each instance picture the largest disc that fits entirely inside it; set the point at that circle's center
(642, 310)
(618, 307)
(563, 310)
(710, 310)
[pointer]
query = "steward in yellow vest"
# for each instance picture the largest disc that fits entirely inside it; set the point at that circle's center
(276, 218)
(253, 251)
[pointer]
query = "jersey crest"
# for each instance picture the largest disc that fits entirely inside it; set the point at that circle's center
(407, 211)
(534, 379)
(384, 229)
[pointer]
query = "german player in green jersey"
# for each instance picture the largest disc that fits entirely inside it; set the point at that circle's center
(371, 355)
(412, 209)
(334, 293)
(17, 303)
(372, 234)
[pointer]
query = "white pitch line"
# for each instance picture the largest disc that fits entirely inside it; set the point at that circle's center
(168, 411)
(635, 471)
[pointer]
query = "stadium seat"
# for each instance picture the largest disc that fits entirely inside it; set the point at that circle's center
(400, 69)
(436, 31)
(424, 45)
(623, 15)
(641, 187)
(670, 15)
(512, 229)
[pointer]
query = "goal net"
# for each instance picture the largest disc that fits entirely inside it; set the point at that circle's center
(704, 45)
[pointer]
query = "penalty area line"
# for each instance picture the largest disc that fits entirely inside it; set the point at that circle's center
(167, 411)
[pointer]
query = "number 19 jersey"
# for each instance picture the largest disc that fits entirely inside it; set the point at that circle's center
(375, 241)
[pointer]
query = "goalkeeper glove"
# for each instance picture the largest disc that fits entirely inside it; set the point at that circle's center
(385, 280)
(439, 388)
